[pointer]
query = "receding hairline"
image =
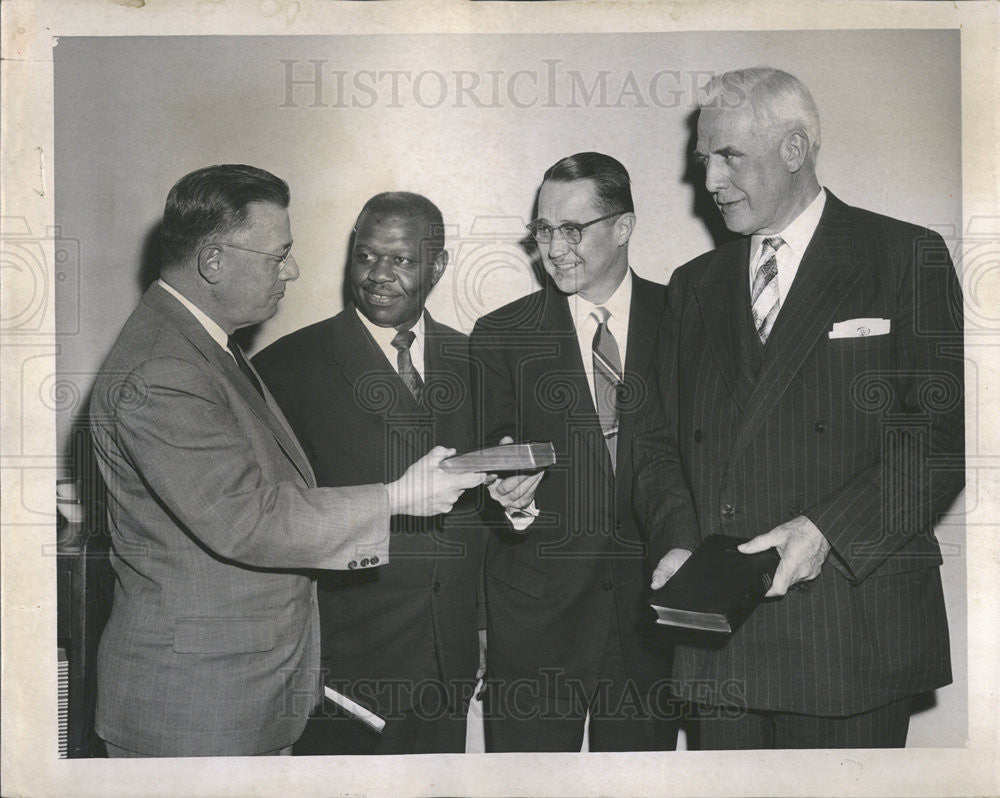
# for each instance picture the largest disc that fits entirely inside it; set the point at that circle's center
(777, 101)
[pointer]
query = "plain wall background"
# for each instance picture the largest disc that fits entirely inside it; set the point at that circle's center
(133, 114)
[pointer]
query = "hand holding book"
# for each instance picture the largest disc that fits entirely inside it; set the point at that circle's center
(516, 492)
(716, 588)
(803, 550)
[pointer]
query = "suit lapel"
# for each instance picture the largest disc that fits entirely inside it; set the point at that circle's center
(826, 275)
(266, 411)
(645, 312)
(377, 386)
(567, 362)
(722, 295)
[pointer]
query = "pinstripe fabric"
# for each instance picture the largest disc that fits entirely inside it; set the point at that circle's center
(884, 727)
(212, 645)
(863, 436)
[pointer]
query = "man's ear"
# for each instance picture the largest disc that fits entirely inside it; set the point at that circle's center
(210, 263)
(440, 264)
(794, 149)
(624, 227)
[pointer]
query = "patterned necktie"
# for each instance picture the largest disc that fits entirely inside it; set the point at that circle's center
(404, 364)
(607, 379)
(243, 365)
(764, 292)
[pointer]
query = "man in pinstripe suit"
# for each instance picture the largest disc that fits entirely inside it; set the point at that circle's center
(813, 384)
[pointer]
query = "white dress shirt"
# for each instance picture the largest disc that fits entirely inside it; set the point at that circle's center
(796, 236)
(213, 329)
(618, 305)
(383, 337)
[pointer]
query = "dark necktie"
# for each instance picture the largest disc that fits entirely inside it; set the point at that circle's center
(607, 379)
(764, 292)
(404, 364)
(243, 365)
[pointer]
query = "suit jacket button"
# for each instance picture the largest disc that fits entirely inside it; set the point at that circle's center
(608, 585)
(697, 436)
(352, 565)
(436, 587)
(820, 426)
(364, 562)
(374, 560)
(617, 526)
(728, 511)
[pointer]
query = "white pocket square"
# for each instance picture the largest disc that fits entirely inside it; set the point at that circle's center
(859, 328)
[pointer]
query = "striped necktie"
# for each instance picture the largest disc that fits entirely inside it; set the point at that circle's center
(607, 379)
(764, 292)
(402, 341)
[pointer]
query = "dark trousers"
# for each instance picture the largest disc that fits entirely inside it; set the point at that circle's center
(622, 717)
(717, 729)
(335, 732)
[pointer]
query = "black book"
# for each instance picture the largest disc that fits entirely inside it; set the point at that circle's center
(717, 587)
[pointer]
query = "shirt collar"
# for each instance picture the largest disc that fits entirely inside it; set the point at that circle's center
(618, 304)
(799, 232)
(214, 330)
(383, 335)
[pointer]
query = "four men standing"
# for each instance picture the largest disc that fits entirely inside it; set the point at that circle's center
(804, 391)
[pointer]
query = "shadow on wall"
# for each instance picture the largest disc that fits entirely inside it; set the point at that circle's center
(702, 207)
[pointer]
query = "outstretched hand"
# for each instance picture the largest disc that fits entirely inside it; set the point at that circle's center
(802, 549)
(427, 489)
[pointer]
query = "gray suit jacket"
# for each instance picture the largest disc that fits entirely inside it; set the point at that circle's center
(212, 647)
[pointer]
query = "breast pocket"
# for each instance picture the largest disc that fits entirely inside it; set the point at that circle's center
(859, 344)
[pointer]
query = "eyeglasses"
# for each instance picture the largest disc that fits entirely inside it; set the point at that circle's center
(571, 231)
(276, 255)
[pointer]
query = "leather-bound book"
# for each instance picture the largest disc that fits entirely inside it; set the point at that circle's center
(717, 587)
(498, 459)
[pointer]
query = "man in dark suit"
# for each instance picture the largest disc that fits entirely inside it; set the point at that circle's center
(366, 392)
(212, 647)
(814, 381)
(567, 628)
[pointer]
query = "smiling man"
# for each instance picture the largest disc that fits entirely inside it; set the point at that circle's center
(819, 411)
(568, 630)
(367, 391)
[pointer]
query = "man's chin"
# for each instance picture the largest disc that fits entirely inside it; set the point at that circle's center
(381, 317)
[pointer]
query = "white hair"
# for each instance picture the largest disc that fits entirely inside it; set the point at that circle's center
(779, 101)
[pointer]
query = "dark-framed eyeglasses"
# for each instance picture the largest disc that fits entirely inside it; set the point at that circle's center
(571, 232)
(278, 256)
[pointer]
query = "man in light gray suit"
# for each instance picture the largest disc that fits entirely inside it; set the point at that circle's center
(212, 647)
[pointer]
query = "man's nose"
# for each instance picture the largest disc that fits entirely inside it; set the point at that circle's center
(558, 245)
(715, 176)
(289, 269)
(382, 271)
